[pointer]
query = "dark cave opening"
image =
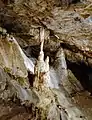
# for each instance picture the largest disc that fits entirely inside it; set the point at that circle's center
(83, 73)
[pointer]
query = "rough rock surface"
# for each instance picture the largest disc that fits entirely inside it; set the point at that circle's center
(69, 28)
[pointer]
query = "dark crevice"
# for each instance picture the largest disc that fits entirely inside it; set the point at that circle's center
(83, 73)
(74, 49)
(31, 78)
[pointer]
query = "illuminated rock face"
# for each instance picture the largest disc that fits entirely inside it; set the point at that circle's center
(14, 65)
(13, 58)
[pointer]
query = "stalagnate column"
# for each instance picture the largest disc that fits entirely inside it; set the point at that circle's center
(42, 67)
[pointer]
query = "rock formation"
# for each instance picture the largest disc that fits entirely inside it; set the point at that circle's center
(37, 40)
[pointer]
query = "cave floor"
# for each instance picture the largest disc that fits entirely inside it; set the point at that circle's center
(84, 100)
(13, 111)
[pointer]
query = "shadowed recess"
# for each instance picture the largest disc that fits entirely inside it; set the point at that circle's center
(83, 73)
